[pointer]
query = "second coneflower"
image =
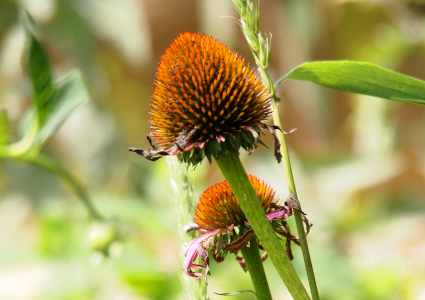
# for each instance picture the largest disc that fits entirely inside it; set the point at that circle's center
(224, 225)
(205, 101)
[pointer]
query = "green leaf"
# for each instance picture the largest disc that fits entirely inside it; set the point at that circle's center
(262, 143)
(216, 145)
(233, 141)
(208, 155)
(70, 93)
(38, 67)
(4, 128)
(53, 102)
(246, 137)
(234, 293)
(238, 140)
(223, 146)
(209, 148)
(361, 78)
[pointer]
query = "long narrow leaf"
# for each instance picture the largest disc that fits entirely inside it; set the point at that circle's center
(234, 293)
(361, 78)
(38, 67)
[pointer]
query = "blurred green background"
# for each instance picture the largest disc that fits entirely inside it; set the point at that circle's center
(359, 162)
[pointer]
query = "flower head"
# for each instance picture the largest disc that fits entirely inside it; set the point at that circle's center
(205, 101)
(224, 226)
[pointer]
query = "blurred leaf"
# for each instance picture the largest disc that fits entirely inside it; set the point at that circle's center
(361, 78)
(70, 93)
(53, 102)
(38, 67)
(4, 128)
(8, 11)
(56, 237)
(380, 282)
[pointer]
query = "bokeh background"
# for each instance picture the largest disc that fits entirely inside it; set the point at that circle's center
(359, 162)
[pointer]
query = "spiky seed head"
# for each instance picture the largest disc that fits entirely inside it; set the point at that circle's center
(218, 208)
(205, 101)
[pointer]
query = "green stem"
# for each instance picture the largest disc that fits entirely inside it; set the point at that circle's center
(255, 267)
(235, 174)
(292, 190)
(24, 144)
(50, 164)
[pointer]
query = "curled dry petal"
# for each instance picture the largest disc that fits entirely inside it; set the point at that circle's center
(197, 247)
(293, 202)
(237, 245)
(277, 144)
(242, 262)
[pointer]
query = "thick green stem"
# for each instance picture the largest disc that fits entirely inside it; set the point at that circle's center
(255, 267)
(55, 167)
(235, 174)
(292, 189)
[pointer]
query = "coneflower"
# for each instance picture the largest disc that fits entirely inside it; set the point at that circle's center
(205, 101)
(224, 225)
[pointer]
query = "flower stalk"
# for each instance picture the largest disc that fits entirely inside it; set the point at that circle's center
(235, 174)
(181, 186)
(249, 13)
(255, 267)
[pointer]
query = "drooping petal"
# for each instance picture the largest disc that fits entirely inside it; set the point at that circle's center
(190, 255)
(194, 248)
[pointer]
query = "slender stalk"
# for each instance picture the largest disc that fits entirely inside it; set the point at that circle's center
(182, 185)
(300, 225)
(50, 164)
(255, 267)
(24, 144)
(235, 174)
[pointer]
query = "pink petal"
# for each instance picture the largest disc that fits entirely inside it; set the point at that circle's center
(189, 147)
(174, 150)
(220, 138)
(280, 214)
(192, 250)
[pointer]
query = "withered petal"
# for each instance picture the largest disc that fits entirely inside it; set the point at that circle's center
(237, 245)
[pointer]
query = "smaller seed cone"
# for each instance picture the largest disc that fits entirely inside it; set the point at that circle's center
(218, 208)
